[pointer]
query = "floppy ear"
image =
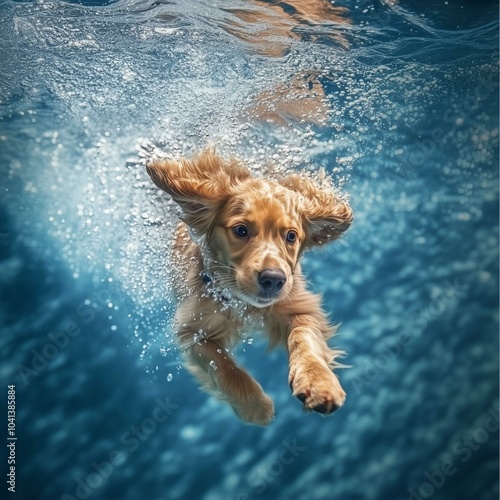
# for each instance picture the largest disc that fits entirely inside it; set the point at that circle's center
(199, 186)
(326, 215)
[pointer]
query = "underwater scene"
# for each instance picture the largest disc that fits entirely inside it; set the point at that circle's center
(396, 101)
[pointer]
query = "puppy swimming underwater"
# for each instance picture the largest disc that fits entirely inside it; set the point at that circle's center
(238, 248)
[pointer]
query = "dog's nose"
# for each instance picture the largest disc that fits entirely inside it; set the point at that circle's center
(272, 280)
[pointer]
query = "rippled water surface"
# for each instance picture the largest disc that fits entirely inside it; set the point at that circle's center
(396, 100)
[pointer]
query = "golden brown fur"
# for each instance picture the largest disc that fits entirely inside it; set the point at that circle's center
(271, 29)
(238, 249)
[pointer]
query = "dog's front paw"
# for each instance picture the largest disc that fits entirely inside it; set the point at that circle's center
(317, 387)
(257, 412)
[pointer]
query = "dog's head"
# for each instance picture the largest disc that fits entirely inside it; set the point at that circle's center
(254, 229)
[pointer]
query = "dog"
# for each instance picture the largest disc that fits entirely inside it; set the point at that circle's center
(237, 251)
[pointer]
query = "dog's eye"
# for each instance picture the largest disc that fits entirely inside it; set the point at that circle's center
(291, 236)
(241, 231)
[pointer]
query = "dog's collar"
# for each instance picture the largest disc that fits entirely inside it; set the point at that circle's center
(205, 277)
(214, 291)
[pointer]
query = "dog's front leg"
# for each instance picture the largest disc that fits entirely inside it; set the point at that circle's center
(217, 371)
(311, 378)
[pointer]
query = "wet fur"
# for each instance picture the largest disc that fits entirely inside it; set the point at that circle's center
(220, 298)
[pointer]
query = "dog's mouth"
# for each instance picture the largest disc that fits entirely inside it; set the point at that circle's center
(227, 288)
(259, 301)
(262, 289)
(265, 301)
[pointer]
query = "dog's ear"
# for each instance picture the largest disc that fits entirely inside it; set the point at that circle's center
(326, 215)
(199, 186)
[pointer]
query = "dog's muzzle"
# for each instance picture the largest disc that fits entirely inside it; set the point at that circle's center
(271, 282)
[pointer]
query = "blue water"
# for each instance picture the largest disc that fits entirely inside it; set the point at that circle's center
(398, 101)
